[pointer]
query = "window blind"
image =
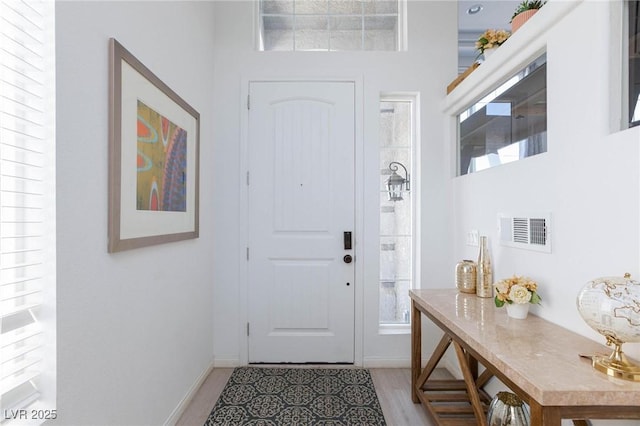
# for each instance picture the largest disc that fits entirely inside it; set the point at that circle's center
(27, 203)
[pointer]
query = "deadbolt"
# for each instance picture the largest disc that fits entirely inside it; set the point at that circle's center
(347, 258)
(347, 240)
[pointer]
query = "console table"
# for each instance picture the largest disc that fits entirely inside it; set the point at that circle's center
(536, 359)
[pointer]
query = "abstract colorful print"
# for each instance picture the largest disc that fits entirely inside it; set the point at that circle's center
(161, 163)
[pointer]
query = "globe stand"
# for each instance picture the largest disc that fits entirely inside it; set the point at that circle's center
(616, 365)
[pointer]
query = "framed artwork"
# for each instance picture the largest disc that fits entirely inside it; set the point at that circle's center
(153, 158)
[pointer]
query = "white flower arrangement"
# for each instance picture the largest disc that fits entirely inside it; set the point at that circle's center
(490, 39)
(519, 290)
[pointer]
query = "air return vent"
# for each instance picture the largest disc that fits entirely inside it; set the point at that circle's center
(530, 232)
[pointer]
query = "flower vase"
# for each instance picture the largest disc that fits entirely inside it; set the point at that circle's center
(484, 279)
(488, 52)
(517, 310)
(521, 18)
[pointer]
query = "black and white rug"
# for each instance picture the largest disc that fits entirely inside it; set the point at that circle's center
(297, 396)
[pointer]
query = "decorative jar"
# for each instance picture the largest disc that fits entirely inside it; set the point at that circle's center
(507, 409)
(466, 276)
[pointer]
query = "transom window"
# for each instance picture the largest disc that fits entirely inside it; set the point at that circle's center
(331, 25)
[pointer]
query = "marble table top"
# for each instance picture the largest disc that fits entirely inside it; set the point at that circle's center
(540, 357)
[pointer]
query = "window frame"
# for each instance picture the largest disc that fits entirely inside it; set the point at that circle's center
(414, 99)
(522, 76)
(629, 106)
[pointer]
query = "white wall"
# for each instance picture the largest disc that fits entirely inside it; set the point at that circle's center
(588, 179)
(427, 68)
(135, 329)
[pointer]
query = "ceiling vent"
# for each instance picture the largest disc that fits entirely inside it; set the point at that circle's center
(530, 232)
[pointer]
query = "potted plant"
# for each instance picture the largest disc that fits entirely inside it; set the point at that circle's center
(516, 293)
(525, 10)
(490, 40)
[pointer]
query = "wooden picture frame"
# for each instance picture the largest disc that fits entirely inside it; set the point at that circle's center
(154, 141)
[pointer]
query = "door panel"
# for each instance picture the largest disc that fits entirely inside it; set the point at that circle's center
(301, 200)
(302, 194)
(314, 292)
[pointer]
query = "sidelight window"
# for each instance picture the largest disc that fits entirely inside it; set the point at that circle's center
(397, 206)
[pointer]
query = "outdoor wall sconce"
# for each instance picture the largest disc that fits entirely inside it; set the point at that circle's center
(396, 183)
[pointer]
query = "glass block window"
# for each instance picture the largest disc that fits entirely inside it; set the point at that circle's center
(331, 25)
(397, 133)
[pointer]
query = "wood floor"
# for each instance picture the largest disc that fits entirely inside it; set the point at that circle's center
(392, 386)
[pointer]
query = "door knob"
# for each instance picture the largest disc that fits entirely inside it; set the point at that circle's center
(347, 258)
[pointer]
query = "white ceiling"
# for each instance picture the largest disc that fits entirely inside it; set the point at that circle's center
(495, 14)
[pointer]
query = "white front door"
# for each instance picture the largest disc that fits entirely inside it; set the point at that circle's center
(301, 201)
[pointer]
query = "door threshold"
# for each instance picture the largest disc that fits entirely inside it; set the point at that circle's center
(310, 364)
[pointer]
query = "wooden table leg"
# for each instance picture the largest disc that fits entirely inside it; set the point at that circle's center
(416, 350)
(544, 416)
(437, 355)
(470, 381)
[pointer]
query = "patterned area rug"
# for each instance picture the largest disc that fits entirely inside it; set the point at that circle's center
(297, 396)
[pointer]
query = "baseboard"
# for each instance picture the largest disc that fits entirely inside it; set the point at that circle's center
(177, 412)
(373, 362)
(227, 363)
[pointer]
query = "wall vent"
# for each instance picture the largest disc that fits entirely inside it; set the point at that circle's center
(530, 232)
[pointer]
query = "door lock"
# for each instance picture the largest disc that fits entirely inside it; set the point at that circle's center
(347, 240)
(347, 258)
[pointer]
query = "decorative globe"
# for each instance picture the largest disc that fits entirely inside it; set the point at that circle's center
(611, 306)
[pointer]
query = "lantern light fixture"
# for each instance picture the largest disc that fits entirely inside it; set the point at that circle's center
(396, 184)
